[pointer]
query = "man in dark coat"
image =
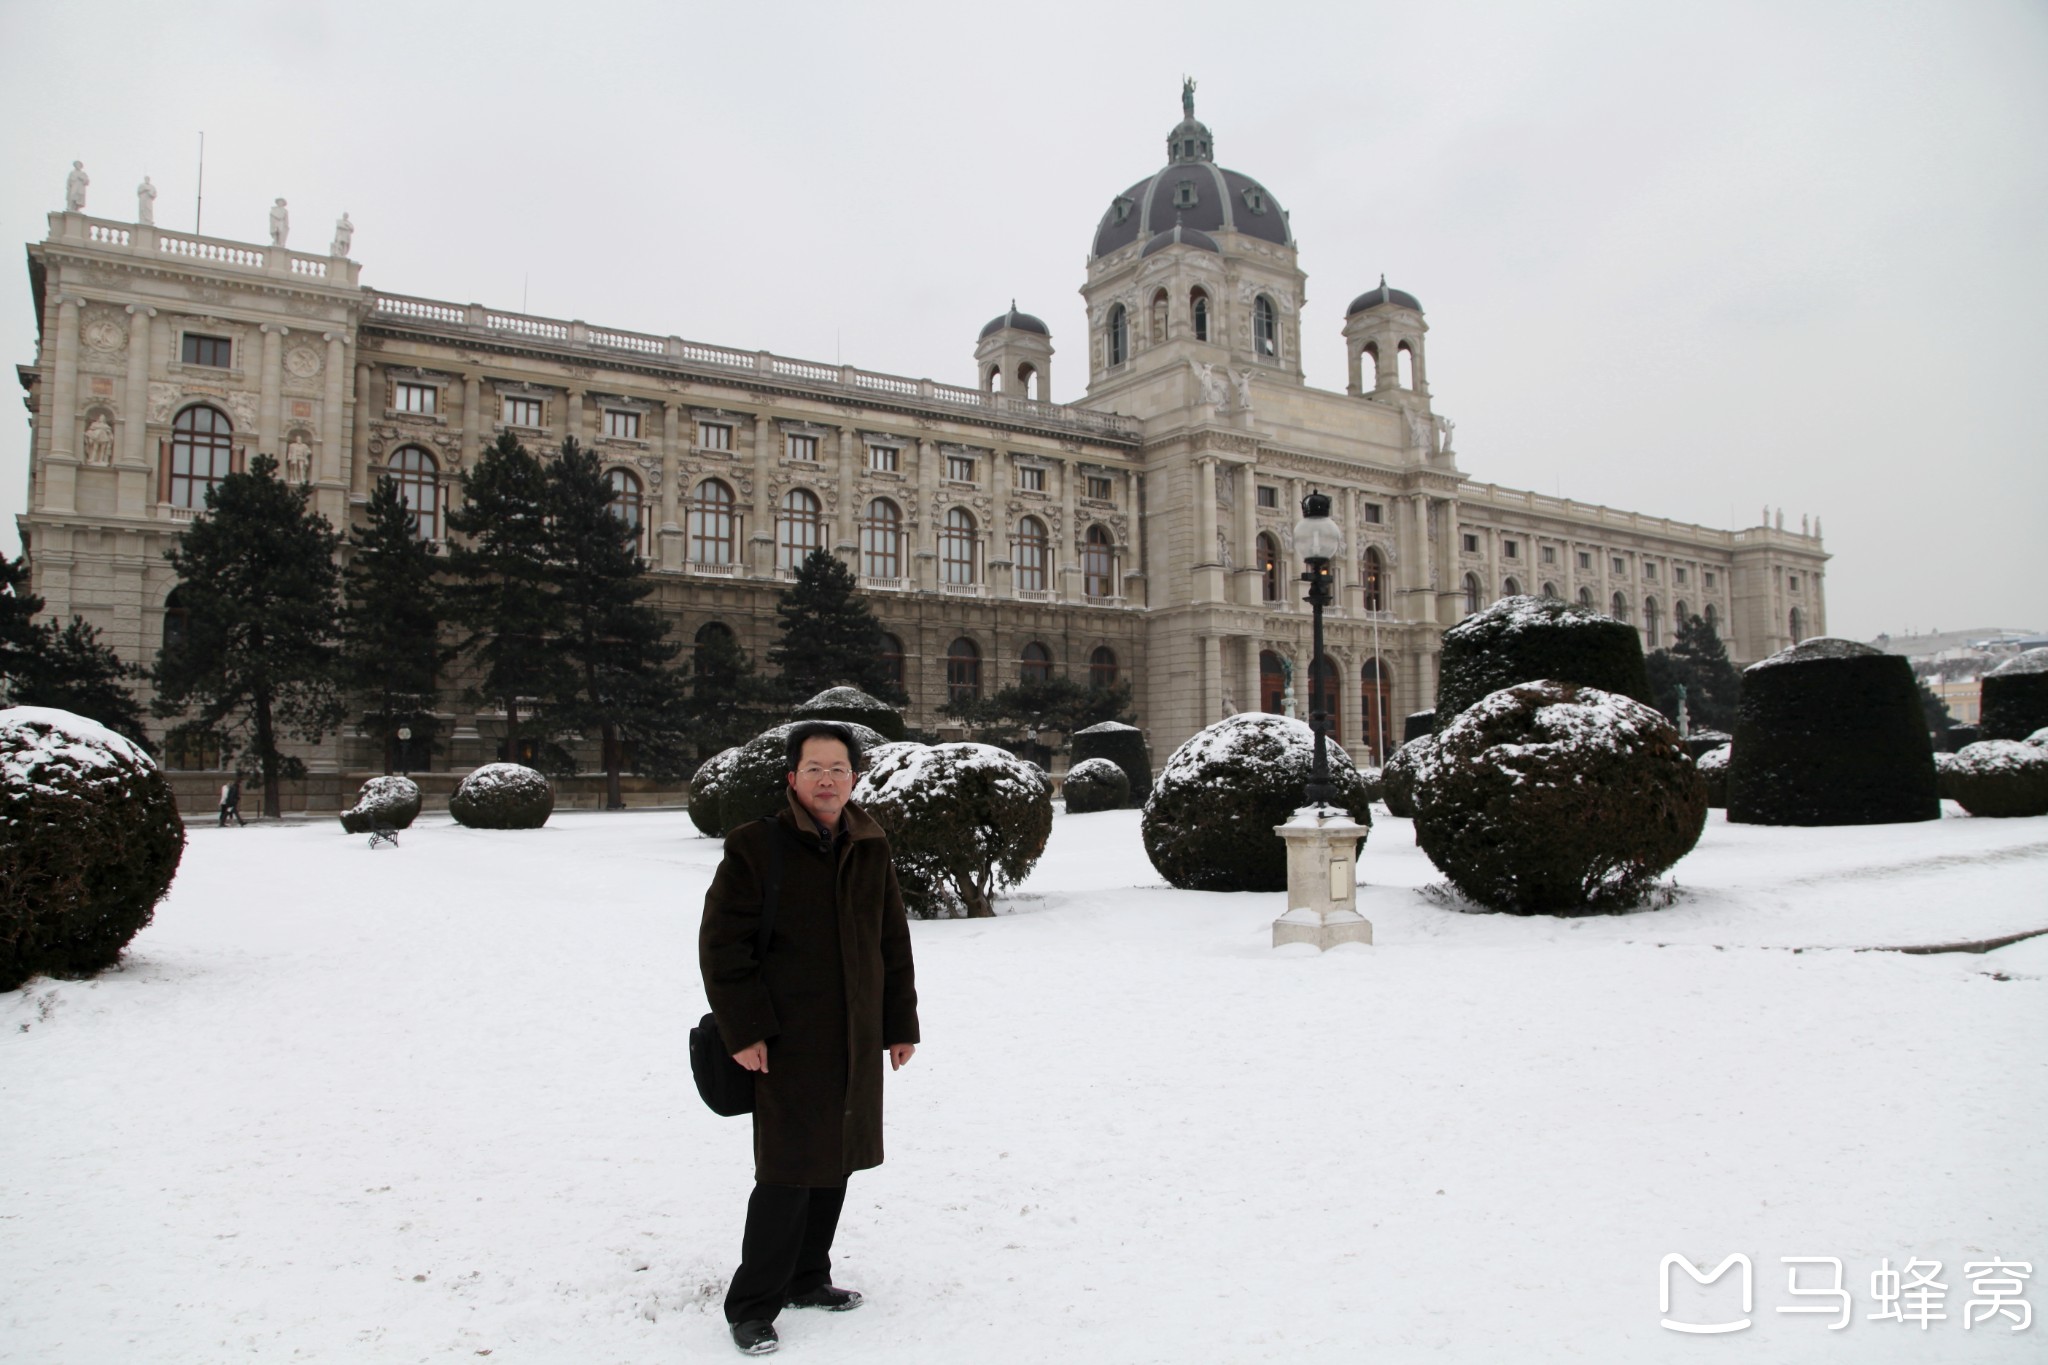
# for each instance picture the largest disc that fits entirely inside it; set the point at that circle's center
(811, 1020)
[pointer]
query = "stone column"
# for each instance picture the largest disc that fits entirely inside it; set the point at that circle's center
(134, 459)
(1066, 558)
(1246, 536)
(334, 415)
(762, 537)
(1248, 674)
(573, 416)
(472, 417)
(672, 547)
(1208, 569)
(845, 544)
(60, 472)
(270, 421)
(924, 540)
(359, 471)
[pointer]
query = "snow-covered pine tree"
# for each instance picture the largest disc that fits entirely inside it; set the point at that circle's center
(829, 637)
(391, 651)
(1699, 660)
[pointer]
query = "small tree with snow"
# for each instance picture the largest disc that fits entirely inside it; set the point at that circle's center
(964, 821)
(1551, 798)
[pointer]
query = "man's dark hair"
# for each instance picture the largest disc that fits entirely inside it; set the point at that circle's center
(821, 729)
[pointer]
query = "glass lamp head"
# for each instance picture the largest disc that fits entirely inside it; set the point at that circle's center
(1316, 535)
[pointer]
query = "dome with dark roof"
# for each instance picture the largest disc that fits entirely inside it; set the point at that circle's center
(1022, 322)
(1181, 235)
(1191, 192)
(1373, 298)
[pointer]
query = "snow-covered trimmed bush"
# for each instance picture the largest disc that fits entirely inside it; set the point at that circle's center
(89, 841)
(1123, 745)
(1096, 784)
(2039, 739)
(2015, 696)
(1944, 765)
(1713, 766)
(1999, 778)
(853, 705)
(1552, 798)
(1830, 732)
(707, 784)
(1375, 780)
(1525, 639)
(1703, 742)
(384, 803)
(755, 784)
(1208, 825)
(503, 796)
(964, 821)
(1418, 724)
(1397, 779)
(1957, 738)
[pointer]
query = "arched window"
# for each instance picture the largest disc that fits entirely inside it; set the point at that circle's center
(1034, 555)
(713, 524)
(956, 547)
(1512, 587)
(1323, 696)
(1680, 614)
(963, 670)
(1272, 684)
(799, 528)
(1373, 575)
(1158, 317)
(1028, 385)
(177, 621)
(1798, 626)
(629, 504)
(892, 659)
(881, 540)
(1102, 667)
(1369, 366)
(1198, 305)
(418, 476)
(1404, 359)
(202, 454)
(1034, 664)
(1098, 563)
(1711, 616)
(1585, 597)
(1265, 328)
(1472, 594)
(1377, 694)
(1653, 622)
(1550, 590)
(1269, 567)
(1618, 608)
(994, 382)
(1119, 336)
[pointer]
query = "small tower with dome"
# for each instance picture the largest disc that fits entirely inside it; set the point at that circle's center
(1013, 356)
(1383, 331)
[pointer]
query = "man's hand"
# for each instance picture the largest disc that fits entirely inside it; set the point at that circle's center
(753, 1058)
(899, 1054)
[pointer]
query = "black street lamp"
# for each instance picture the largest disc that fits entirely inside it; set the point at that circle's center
(1320, 540)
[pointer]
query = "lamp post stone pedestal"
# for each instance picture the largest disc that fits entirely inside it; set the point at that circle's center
(1322, 880)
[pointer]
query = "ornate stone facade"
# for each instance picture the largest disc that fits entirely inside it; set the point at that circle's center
(1150, 525)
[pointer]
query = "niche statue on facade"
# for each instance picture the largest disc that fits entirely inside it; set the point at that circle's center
(74, 188)
(1213, 385)
(1241, 381)
(145, 203)
(99, 440)
(344, 235)
(298, 459)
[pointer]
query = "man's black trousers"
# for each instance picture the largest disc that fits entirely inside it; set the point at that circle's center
(787, 1249)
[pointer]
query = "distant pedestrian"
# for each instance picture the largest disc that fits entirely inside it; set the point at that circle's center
(231, 803)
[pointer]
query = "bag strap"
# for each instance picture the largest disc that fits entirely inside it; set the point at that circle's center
(771, 887)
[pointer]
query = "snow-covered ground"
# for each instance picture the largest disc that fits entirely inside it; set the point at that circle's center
(432, 1103)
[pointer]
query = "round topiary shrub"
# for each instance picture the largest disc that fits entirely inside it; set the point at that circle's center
(1375, 780)
(856, 707)
(503, 796)
(1096, 784)
(384, 803)
(1526, 639)
(964, 821)
(1123, 745)
(1702, 742)
(1830, 732)
(707, 784)
(2000, 778)
(2039, 739)
(1713, 766)
(2015, 696)
(1552, 798)
(1208, 825)
(1397, 779)
(89, 840)
(1418, 724)
(756, 784)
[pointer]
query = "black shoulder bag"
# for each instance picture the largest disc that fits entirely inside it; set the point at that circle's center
(728, 1087)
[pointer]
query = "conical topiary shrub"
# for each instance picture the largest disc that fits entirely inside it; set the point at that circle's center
(2015, 697)
(503, 796)
(1830, 732)
(855, 706)
(1123, 745)
(1526, 639)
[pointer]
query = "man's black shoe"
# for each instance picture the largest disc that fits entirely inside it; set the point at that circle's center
(755, 1338)
(828, 1298)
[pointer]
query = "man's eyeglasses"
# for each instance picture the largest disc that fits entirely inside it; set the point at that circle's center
(811, 772)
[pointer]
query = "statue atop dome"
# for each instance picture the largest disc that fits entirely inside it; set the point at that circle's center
(1187, 97)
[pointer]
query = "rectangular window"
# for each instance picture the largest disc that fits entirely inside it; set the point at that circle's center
(1586, 560)
(799, 447)
(1098, 488)
(1268, 496)
(1031, 478)
(1550, 554)
(1649, 572)
(1793, 582)
(523, 412)
(882, 459)
(1511, 549)
(1471, 545)
(1708, 579)
(204, 350)
(714, 435)
(1375, 514)
(1679, 574)
(1620, 565)
(624, 426)
(960, 468)
(420, 398)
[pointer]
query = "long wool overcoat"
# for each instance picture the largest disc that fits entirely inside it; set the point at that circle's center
(834, 991)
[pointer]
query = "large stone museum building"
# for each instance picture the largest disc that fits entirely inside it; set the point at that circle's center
(1142, 532)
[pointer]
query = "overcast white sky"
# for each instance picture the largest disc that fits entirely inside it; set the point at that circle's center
(1686, 259)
